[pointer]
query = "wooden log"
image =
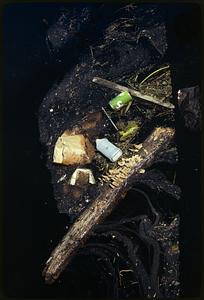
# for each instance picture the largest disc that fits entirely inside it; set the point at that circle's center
(103, 205)
(120, 88)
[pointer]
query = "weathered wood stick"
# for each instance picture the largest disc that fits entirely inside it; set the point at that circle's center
(103, 205)
(120, 88)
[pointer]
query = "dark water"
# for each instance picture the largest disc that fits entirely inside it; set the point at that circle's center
(31, 223)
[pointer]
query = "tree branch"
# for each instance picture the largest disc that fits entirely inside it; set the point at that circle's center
(104, 204)
(120, 88)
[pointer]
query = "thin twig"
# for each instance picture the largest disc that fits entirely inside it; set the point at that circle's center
(109, 118)
(120, 88)
(150, 75)
(90, 47)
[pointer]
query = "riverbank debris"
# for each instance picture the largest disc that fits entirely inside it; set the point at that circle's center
(133, 92)
(109, 150)
(120, 101)
(129, 131)
(73, 149)
(82, 176)
(104, 204)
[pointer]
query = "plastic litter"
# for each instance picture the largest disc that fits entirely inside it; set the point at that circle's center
(121, 100)
(109, 150)
(86, 174)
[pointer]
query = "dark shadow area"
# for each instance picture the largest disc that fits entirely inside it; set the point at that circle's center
(32, 225)
(184, 40)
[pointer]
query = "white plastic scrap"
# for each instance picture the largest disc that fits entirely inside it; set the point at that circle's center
(108, 149)
(61, 178)
(87, 172)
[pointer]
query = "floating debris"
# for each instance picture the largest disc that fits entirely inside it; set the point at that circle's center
(133, 92)
(83, 176)
(129, 131)
(61, 178)
(119, 173)
(108, 149)
(120, 101)
(73, 149)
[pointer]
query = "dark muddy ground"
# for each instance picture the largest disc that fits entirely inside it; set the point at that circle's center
(41, 62)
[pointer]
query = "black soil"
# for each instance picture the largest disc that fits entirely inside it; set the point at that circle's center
(51, 53)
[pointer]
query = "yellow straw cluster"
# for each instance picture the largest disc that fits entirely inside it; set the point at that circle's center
(118, 174)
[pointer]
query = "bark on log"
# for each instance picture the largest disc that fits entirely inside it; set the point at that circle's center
(103, 205)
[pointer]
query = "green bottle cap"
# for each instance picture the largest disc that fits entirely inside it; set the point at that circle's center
(121, 100)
